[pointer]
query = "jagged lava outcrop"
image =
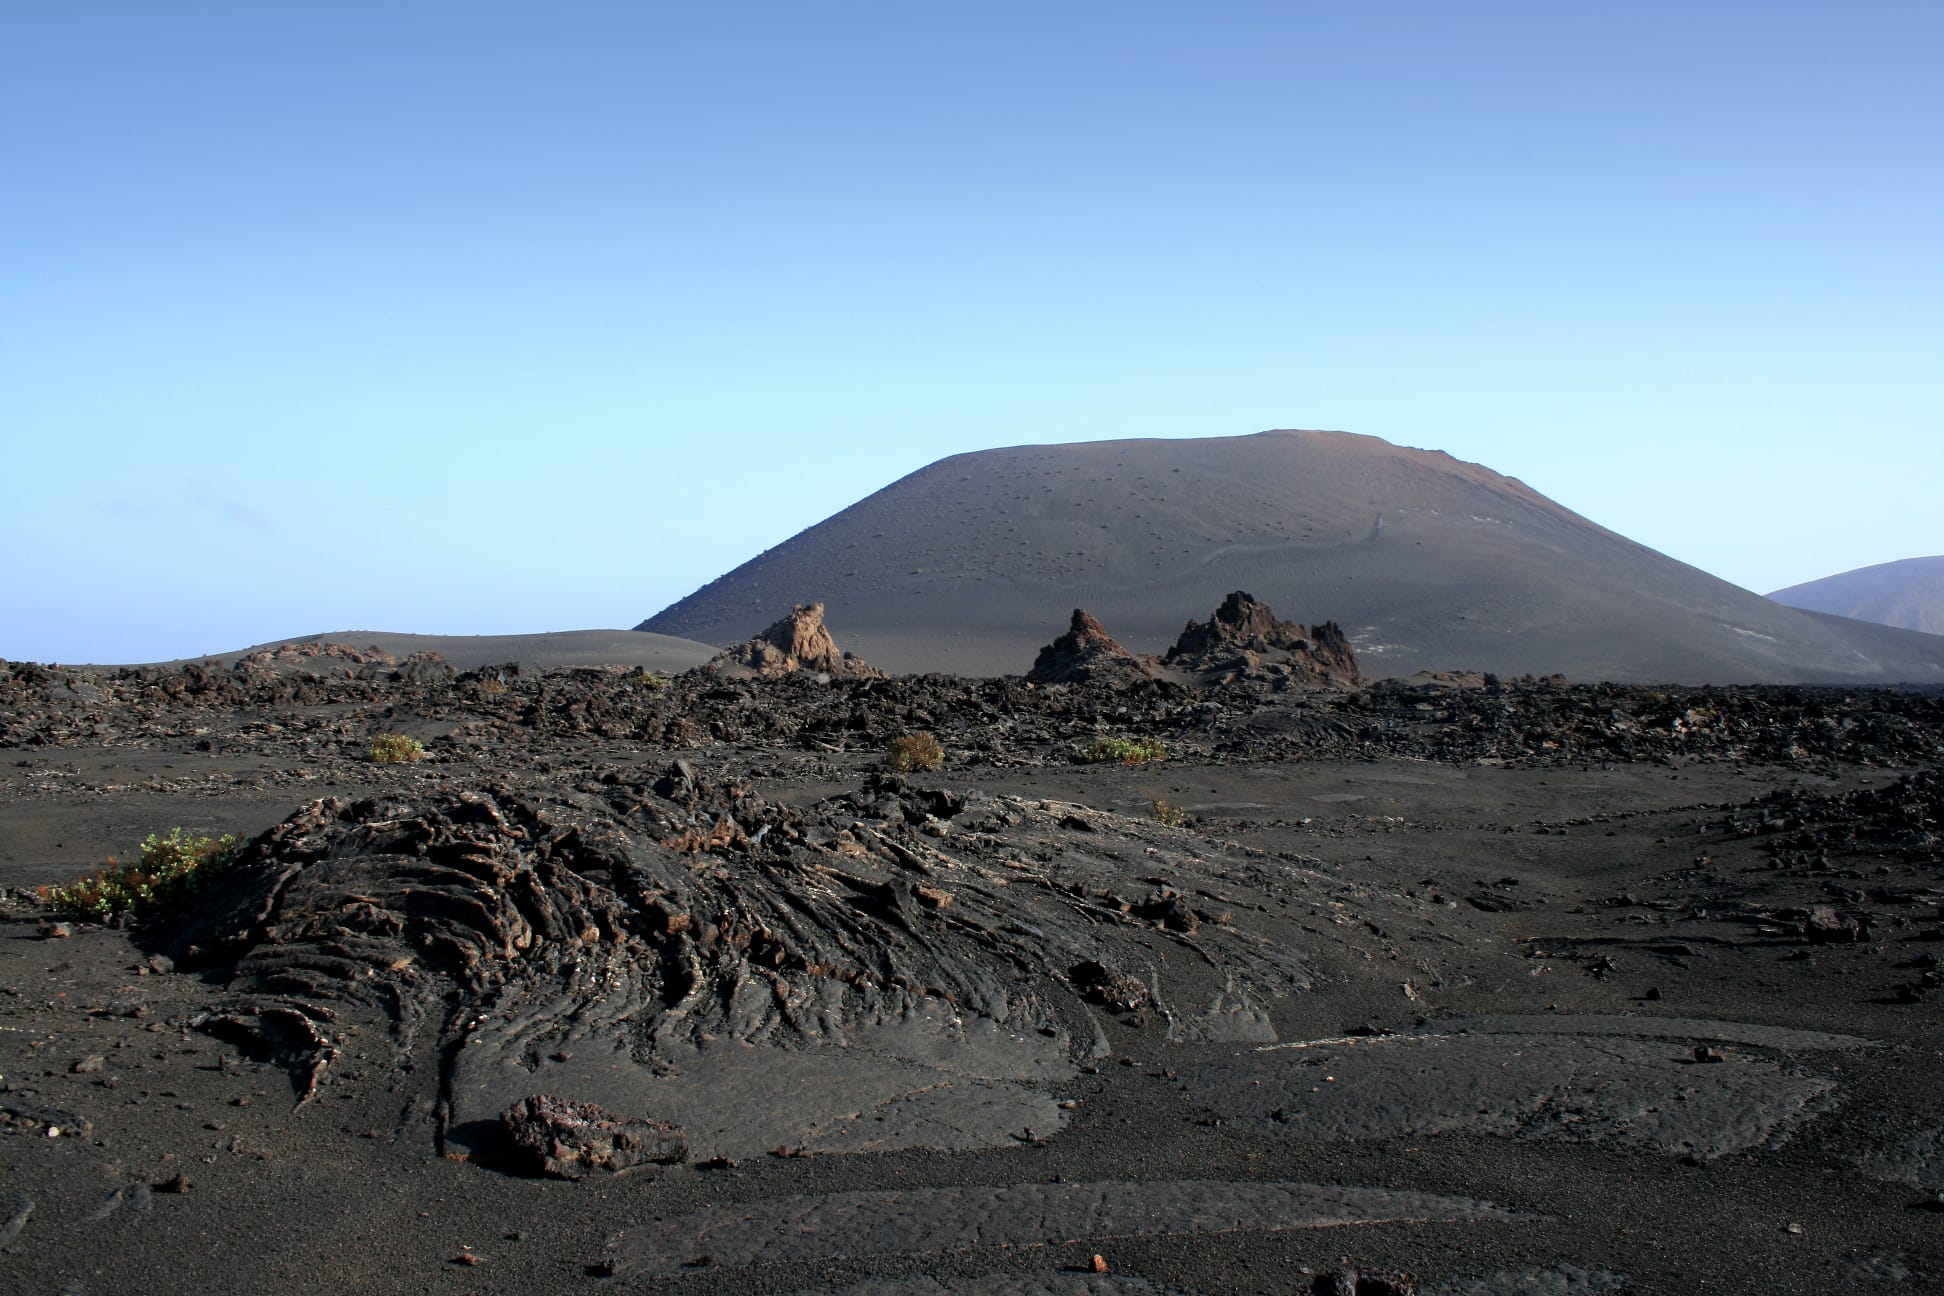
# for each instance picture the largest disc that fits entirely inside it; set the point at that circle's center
(1087, 654)
(1244, 638)
(798, 642)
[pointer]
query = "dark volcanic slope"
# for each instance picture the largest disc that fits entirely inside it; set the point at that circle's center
(1908, 593)
(971, 564)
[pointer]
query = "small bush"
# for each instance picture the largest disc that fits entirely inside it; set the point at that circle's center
(172, 868)
(396, 749)
(916, 751)
(1167, 812)
(653, 681)
(1128, 751)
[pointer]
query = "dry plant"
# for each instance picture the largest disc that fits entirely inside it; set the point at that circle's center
(395, 749)
(1127, 751)
(1167, 812)
(914, 751)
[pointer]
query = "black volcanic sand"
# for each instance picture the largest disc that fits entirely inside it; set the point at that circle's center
(1520, 988)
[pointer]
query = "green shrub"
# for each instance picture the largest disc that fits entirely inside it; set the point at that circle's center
(1167, 812)
(396, 749)
(1128, 751)
(172, 868)
(915, 751)
(653, 681)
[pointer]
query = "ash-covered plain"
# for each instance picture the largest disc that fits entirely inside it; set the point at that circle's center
(1219, 971)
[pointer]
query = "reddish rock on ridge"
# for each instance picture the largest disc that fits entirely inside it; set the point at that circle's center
(1244, 637)
(1086, 653)
(798, 642)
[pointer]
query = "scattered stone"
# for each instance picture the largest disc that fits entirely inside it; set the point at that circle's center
(17, 1220)
(18, 1113)
(296, 1038)
(1110, 987)
(176, 1183)
(1825, 926)
(135, 1198)
(89, 1064)
(568, 1140)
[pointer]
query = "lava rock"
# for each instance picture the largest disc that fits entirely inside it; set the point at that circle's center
(1110, 987)
(563, 1139)
(1086, 653)
(1825, 926)
(1243, 636)
(798, 642)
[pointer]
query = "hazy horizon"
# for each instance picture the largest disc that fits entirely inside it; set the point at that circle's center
(482, 319)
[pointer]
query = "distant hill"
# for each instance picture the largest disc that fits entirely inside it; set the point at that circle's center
(559, 648)
(1908, 593)
(970, 564)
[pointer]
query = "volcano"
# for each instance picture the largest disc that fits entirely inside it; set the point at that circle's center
(1427, 562)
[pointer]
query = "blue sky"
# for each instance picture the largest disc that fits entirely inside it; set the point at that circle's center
(489, 317)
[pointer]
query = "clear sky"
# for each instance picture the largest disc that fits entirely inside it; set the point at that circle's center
(490, 317)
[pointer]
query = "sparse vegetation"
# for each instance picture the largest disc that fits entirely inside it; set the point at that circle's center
(1127, 751)
(914, 751)
(1167, 812)
(396, 749)
(172, 868)
(653, 681)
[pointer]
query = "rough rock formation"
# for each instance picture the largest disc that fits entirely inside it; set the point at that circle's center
(1243, 637)
(503, 717)
(1086, 654)
(680, 950)
(562, 1139)
(799, 642)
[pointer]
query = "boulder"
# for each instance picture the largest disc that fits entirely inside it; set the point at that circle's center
(799, 642)
(1243, 637)
(1085, 654)
(563, 1139)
